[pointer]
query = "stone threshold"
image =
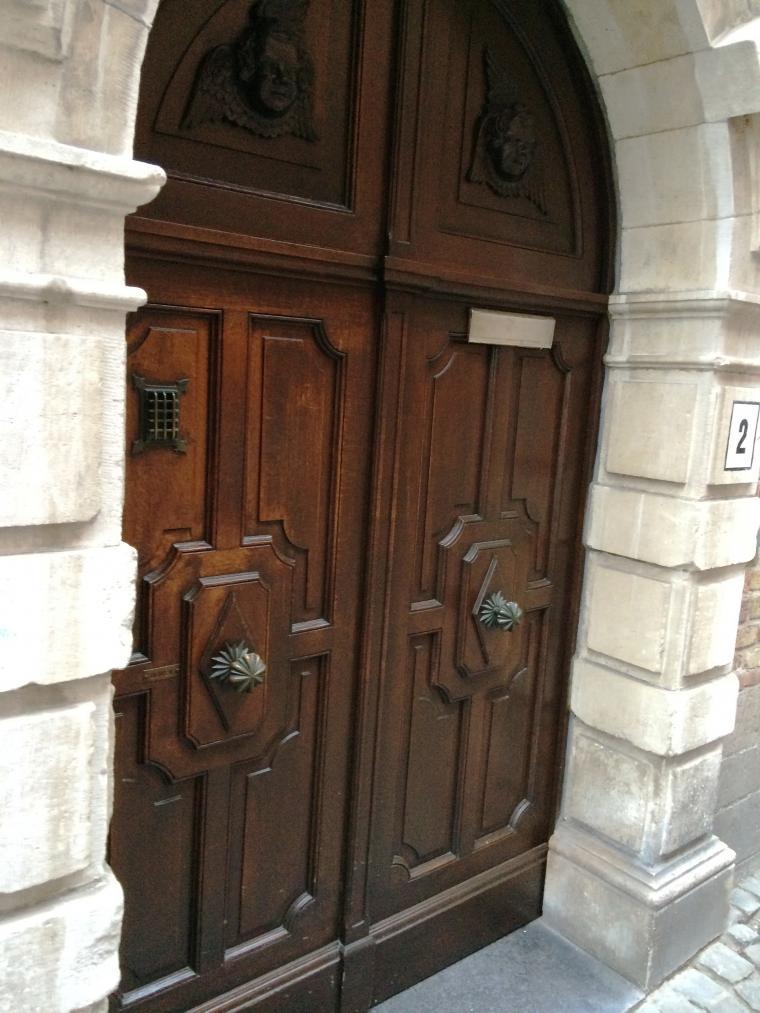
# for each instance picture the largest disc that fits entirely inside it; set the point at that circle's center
(535, 970)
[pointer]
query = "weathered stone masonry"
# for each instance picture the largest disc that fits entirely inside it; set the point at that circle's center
(737, 820)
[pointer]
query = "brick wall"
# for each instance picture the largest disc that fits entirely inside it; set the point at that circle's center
(738, 818)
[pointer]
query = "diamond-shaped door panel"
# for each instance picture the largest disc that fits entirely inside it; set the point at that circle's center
(238, 606)
(481, 558)
(488, 567)
(250, 607)
(207, 599)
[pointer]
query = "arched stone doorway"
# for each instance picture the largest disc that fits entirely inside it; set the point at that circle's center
(361, 481)
(668, 530)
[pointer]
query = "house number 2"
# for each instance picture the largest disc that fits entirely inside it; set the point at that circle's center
(742, 432)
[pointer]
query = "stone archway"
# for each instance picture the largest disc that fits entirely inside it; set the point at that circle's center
(668, 528)
(635, 876)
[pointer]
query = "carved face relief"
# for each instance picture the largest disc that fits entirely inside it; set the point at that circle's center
(264, 81)
(504, 157)
(275, 85)
(511, 142)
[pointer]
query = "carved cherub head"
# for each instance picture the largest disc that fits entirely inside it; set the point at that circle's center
(510, 137)
(274, 65)
(263, 81)
(506, 142)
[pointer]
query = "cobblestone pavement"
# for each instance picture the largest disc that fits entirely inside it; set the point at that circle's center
(725, 976)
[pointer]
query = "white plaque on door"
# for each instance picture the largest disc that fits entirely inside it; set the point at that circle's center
(491, 327)
(742, 433)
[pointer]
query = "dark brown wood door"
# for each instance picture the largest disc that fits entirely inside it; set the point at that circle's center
(324, 470)
(470, 721)
(229, 839)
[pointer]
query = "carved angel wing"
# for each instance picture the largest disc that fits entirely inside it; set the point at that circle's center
(501, 91)
(214, 91)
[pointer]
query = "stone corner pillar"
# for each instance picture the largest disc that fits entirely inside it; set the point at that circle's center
(69, 70)
(635, 875)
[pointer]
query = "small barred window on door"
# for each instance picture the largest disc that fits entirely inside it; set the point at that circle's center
(159, 415)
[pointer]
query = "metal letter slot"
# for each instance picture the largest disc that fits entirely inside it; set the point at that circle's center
(521, 330)
(159, 415)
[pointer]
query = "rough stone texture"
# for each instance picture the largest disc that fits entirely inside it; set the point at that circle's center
(46, 783)
(725, 963)
(648, 804)
(749, 990)
(668, 529)
(637, 421)
(41, 406)
(655, 915)
(723, 978)
(645, 600)
(702, 990)
(668, 532)
(738, 816)
(69, 71)
(61, 955)
(87, 598)
(666, 722)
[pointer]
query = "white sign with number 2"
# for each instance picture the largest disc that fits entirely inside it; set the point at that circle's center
(742, 432)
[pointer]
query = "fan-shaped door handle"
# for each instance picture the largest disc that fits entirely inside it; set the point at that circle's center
(239, 666)
(496, 613)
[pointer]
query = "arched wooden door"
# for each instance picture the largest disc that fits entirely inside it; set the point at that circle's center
(327, 477)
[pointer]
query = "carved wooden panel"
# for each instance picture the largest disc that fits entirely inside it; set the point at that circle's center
(272, 830)
(503, 181)
(474, 761)
(513, 159)
(284, 471)
(435, 739)
(456, 397)
(167, 497)
(160, 877)
(265, 114)
(258, 79)
(249, 608)
(509, 716)
(294, 445)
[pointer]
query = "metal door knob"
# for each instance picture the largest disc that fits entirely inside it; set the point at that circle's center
(240, 666)
(496, 613)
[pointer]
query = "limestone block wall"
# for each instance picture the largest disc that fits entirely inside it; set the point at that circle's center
(737, 820)
(638, 873)
(68, 75)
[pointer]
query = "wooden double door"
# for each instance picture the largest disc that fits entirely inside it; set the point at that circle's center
(326, 476)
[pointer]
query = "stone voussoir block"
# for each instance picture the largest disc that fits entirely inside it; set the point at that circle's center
(50, 428)
(87, 598)
(662, 721)
(683, 161)
(648, 804)
(63, 956)
(45, 795)
(672, 532)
